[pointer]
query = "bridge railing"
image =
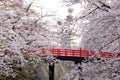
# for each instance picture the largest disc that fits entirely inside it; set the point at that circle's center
(76, 53)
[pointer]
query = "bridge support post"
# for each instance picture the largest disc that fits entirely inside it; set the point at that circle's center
(51, 71)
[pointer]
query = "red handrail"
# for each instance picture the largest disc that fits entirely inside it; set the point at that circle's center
(75, 53)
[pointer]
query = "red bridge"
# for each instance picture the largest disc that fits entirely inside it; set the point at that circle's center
(76, 53)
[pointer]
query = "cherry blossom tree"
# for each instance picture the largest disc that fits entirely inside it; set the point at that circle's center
(22, 28)
(98, 29)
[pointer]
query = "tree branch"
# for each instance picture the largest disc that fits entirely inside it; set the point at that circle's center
(109, 43)
(104, 5)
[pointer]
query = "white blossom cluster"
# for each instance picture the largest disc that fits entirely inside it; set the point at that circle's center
(105, 69)
(21, 27)
(8, 62)
(6, 69)
(101, 32)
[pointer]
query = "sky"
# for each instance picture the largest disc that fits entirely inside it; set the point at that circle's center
(54, 6)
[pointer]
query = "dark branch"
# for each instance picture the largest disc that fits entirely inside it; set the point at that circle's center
(109, 43)
(29, 6)
(104, 5)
